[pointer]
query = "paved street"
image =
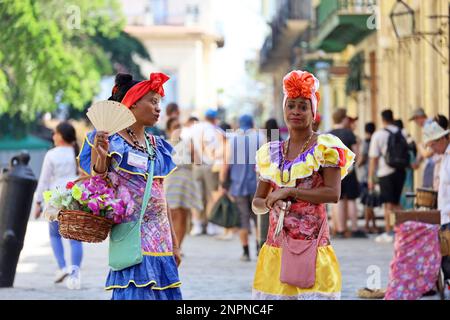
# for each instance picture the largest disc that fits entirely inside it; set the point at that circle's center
(211, 268)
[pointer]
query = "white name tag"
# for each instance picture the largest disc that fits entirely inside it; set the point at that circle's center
(138, 160)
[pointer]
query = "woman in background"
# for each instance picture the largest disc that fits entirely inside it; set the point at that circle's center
(59, 167)
(125, 158)
(181, 191)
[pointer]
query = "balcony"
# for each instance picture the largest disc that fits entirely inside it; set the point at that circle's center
(343, 22)
(149, 20)
(292, 19)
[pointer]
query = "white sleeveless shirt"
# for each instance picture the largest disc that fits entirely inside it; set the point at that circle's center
(58, 168)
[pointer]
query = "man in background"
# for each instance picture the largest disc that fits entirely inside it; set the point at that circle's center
(207, 144)
(391, 180)
(346, 207)
(437, 138)
(420, 118)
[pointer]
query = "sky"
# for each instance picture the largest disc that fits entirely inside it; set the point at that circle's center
(244, 29)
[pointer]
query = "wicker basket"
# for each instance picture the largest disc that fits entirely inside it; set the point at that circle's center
(83, 226)
(444, 240)
(426, 198)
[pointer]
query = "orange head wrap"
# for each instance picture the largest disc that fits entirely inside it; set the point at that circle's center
(302, 84)
(136, 92)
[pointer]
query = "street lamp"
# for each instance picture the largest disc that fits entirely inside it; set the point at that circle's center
(403, 20)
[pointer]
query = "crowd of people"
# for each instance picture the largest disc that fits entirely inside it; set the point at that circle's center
(376, 180)
(302, 179)
(218, 161)
(371, 183)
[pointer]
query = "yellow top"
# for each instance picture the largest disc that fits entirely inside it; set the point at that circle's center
(329, 151)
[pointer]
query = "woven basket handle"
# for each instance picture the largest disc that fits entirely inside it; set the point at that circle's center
(82, 178)
(87, 177)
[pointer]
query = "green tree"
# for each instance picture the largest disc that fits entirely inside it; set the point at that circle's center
(48, 53)
(121, 50)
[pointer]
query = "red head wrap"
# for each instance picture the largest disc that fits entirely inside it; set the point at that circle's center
(140, 89)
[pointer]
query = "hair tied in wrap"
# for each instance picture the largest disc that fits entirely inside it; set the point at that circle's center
(155, 84)
(298, 84)
(302, 84)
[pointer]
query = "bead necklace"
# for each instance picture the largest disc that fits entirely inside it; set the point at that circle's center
(137, 144)
(285, 153)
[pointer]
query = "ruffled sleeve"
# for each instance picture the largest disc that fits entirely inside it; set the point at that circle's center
(164, 164)
(329, 151)
(84, 157)
(332, 152)
(267, 160)
(118, 152)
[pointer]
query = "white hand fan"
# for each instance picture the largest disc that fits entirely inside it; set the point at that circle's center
(280, 223)
(110, 116)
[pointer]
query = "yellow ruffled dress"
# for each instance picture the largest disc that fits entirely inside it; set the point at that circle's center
(303, 221)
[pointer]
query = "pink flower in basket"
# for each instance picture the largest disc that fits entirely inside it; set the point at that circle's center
(94, 196)
(119, 211)
(95, 208)
(84, 196)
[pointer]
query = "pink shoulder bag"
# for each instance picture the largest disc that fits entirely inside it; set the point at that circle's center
(298, 260)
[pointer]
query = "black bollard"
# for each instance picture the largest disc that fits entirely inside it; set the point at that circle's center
(17, 186)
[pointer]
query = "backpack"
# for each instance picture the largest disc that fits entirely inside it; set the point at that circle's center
(397, 154)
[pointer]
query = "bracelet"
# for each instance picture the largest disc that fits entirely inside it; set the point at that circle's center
(259, 211)
(99, 173)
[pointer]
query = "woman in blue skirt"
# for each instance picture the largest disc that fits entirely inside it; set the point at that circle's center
(123, 159)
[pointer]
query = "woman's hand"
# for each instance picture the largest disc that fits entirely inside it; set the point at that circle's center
(280, 194)
(282, 205)
(101, 144)
(37, 211)
(222, 191)
(177, 255)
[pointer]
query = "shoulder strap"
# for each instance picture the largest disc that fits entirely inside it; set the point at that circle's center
(148, 186)
(323, 229)
(152, 141)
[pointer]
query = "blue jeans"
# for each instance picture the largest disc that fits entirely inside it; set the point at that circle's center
(58, 249)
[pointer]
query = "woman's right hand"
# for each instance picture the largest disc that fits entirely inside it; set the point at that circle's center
(277, 195)
(281, 205)
(101, 144)
(37, 211)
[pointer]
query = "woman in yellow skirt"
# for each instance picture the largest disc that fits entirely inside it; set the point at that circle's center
(296, 178)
